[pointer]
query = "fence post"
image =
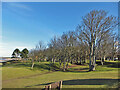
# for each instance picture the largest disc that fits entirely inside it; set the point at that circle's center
(60, 85)
(49, 87)
(46, 87)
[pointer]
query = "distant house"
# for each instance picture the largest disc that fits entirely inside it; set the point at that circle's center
(4, 60)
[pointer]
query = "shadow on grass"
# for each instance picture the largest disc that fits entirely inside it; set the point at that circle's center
(108, 82)
(18, 64)
(110, 64)
(90, 82)
(42, 66)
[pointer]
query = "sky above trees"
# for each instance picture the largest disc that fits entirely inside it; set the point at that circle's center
(24, 24)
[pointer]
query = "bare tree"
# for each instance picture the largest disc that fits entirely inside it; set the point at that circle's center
(33, 57)
(93, 29)
(37, 53)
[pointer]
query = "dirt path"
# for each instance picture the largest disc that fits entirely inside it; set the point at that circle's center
(24, 77)
(80, 69)
(74, 65)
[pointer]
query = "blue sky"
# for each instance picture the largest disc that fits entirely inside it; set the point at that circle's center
(24, 24)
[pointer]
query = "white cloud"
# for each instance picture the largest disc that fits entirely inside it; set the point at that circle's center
(6, 49)
(20, 6)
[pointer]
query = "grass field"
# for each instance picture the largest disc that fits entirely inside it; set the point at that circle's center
(19, 75)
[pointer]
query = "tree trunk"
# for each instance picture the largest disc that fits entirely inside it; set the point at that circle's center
(113, 58)
(67, 64)
(80, 61)
(32, 65)
(60, 64)
(26, 60)
(101, 61)
(77, 60)
(92, 58)
(104, 59)
(71, 62)
(94, 63)
(39, 60)
(54, 60)
(64, 64)
(84, 60)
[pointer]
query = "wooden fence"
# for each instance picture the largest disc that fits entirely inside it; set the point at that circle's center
(56, 85)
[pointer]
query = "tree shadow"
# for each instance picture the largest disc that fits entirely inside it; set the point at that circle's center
(18, 65)
(110, 64)
(90, 81)
(43, 66)
(108, 82)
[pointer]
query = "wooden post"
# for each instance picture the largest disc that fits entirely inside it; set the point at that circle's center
(60, 85)
(46, 87)
(49, 87)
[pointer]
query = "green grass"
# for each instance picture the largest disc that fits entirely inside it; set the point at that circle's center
(19, 75)
(23, 69)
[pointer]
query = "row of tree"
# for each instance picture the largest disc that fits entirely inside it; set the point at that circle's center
(95, 38)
